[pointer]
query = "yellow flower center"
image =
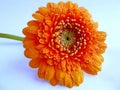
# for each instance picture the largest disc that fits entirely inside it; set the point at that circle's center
(67, 38)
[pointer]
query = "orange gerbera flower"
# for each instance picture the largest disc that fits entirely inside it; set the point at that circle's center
(62, 41)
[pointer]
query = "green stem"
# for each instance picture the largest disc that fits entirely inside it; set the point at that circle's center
(9, 36)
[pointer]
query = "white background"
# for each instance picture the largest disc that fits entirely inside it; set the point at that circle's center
(15, 74)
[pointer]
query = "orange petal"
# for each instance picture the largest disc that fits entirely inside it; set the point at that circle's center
(85, 13)
(69, 5)
(93, 65)
(63, 65)
(101, 36)
(28, 43)
(42, 69)
(48, 22)
(45, 50)
(34, 63)
(61, 4)
(68, 81)
(29, 34)
(44, 11)
(92, 69)
(50, 62)
(33, 23)
(49, 73)
(54, 81)
(77, 76)
(100, 47)
(50, 5)
(59, 75)
(31, 53)
(38, 16)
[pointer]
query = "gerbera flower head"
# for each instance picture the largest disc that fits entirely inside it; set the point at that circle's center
(62, 41)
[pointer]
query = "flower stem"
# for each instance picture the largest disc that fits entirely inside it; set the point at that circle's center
(9, 36)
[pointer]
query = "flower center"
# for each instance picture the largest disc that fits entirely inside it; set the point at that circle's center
(67, 38)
